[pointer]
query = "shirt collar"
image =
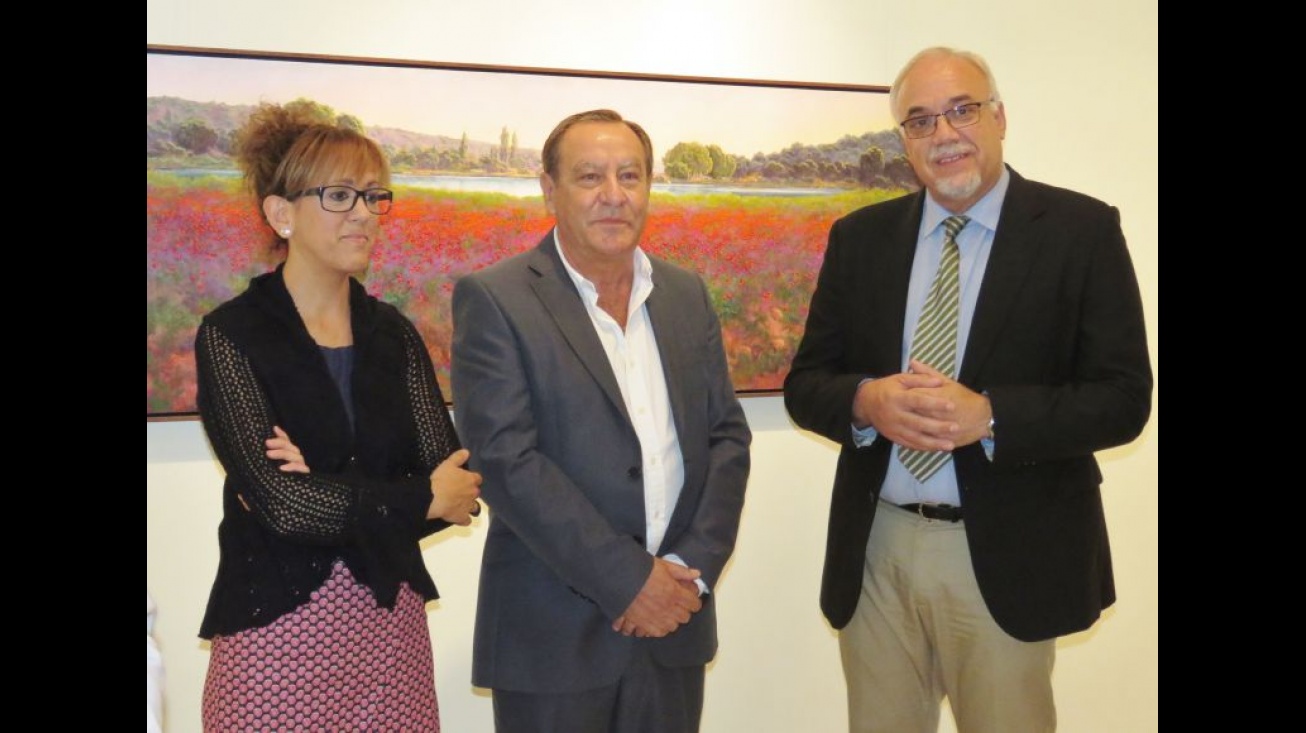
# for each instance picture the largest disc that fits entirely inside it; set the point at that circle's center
(643, 274)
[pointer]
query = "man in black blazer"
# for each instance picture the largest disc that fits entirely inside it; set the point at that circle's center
(956, 583)
(591, 384)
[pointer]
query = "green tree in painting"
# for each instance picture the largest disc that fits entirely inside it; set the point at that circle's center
(723, 163)
(350, 122)
(195, 136)
(317, 110)
(677, 170)
(427, 158)
(462, 149)
(742, 166)
(400, 158)
(870, 167)
(692, 156)
(900, 174)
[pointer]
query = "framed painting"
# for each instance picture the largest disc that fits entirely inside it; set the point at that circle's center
(748, 176)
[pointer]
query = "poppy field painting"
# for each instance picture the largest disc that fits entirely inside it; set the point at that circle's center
(748, 177)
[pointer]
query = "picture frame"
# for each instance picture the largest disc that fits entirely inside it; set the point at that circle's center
(748, 177)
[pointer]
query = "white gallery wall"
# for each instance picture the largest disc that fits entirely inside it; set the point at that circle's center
(1080, 82)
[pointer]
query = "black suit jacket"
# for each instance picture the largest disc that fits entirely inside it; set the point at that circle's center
(1058, 343)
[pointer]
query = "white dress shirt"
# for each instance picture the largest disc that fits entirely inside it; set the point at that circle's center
(637, 364)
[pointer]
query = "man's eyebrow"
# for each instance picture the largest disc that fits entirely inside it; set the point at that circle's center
(952, 102)
(588, 165)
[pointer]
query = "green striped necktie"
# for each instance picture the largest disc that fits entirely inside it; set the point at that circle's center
(935, 340)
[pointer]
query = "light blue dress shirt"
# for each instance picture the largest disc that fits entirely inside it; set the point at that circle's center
(974, 244)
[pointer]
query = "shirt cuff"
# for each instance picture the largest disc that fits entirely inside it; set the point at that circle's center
(987, 442)
(863, 437)
(673, 557)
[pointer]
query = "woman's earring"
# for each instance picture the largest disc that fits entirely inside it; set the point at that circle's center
(285, 233)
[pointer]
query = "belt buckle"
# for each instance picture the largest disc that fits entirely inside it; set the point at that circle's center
(937, 510)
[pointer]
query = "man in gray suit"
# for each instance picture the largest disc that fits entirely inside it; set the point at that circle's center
(591, 386)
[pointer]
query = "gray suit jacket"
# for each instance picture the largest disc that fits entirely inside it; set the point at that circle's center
(538, 405)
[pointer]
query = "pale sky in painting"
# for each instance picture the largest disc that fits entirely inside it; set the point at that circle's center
(741, 119)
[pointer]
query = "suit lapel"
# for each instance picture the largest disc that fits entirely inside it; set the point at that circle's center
(559, 297)
(1014, 251)
(886, 291)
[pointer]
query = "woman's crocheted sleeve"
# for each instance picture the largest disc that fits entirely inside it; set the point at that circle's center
(237, 419)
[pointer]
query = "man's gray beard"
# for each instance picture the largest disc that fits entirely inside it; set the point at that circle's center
(959, 187)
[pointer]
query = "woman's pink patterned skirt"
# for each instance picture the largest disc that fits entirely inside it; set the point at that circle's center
(338, 663)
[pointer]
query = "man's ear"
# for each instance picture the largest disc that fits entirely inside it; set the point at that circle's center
(546, 187)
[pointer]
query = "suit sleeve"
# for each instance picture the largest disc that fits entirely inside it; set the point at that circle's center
(526, 490)
(1104, 398)
(819, 389)
(710, 540)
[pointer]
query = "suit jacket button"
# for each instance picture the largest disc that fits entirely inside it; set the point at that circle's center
(634, 472)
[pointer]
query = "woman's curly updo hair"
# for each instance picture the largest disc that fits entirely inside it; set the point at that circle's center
(285, 149)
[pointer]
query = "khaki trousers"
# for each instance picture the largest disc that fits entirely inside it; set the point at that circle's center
(922, 631)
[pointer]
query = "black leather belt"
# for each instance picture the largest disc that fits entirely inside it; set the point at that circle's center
(942, 512)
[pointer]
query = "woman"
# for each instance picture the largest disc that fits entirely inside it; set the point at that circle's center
(321, 403)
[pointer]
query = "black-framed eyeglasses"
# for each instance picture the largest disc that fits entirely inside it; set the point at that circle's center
(963, 115)
(344, 198)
